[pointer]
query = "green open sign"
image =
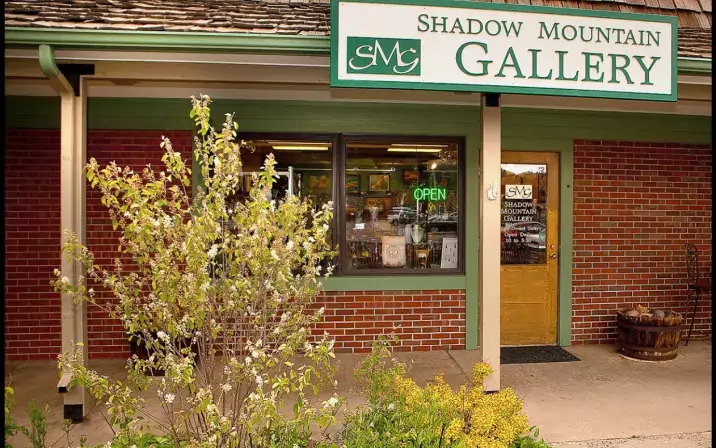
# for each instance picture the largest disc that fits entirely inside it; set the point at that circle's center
(429, 194)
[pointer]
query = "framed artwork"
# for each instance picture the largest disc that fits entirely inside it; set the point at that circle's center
(379, 182)
(352, 184)
(383, 204)
(393, 251)
(318, 183)
(448, 258)
(410, 176)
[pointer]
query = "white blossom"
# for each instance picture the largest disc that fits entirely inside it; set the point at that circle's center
(333, 401)
(274, 255)
(289, 245)
(169, 398)
(259, 380)
(226, 387)
(213, 251)
(65, 280)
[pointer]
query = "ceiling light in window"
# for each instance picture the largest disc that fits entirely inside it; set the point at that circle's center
(414, 148)
(300, 147)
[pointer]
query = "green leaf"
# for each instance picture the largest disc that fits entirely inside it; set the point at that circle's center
(115, 224)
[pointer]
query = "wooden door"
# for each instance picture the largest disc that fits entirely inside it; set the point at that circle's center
(529, 248)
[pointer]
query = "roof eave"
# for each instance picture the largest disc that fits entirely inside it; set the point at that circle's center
(219, 42)
(166, 40)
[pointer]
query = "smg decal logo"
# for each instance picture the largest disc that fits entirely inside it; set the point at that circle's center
(383, 56)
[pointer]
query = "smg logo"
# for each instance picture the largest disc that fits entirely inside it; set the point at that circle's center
(383, 56)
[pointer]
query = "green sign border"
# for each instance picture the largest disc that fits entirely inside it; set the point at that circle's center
(463, 4)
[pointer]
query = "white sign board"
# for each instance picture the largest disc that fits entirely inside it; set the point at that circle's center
(475, 46)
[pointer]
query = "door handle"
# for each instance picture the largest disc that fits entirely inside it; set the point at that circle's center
(553, 255)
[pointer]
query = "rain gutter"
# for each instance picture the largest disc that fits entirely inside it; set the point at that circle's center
(215, 42)
(166, 40)
(49, 68)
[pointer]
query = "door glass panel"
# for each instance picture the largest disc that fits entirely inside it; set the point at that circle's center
(524, 214)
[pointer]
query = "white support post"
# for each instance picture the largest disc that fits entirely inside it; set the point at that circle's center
(489, 250)
(72, 215)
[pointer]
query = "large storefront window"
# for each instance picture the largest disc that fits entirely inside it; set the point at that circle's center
(401, 209)
(304, 166)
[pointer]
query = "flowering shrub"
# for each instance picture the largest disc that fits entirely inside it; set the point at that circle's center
(401, 413)
(36, 433)
(219, 293)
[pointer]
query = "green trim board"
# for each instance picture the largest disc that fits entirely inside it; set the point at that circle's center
(542, 125)
(378, 62)
(398, 283)
(166, 40)
(21, 37)
(32, 112)
(695, 66)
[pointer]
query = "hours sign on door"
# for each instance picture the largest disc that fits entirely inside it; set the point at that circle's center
(504, 48)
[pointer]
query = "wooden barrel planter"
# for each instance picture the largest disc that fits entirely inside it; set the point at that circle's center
(649, 335)
(139, 348)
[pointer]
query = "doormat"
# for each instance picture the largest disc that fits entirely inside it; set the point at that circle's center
(535, 354)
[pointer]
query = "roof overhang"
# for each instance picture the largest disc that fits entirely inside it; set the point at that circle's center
(255, 69)
(217, 43)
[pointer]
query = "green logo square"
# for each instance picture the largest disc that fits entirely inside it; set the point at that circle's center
(383, 56)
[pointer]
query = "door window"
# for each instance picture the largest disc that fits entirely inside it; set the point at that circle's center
(524, 214)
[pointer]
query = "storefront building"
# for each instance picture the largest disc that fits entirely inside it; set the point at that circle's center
(510, 208)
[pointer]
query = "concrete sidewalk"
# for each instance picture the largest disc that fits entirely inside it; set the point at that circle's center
(604, 400)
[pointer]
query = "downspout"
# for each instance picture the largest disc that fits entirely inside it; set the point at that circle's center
(49, 68)
(72, 217)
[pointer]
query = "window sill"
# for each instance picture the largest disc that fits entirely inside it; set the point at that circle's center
(395, 283)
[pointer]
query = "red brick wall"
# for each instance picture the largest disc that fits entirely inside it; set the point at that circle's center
(134, 149)
(422, 320)
(32, 242)
(425, 320)
(636, 205)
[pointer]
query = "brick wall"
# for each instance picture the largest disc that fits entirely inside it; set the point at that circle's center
(423, 320)
(32, 241)
(134, 149)
(636, 205)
